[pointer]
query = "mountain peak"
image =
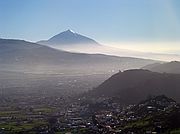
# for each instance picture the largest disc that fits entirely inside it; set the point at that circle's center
(69, 37)
(70, 31)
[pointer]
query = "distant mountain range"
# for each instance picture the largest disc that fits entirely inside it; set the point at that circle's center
(26, 56)
(169, 67)
(131, 86)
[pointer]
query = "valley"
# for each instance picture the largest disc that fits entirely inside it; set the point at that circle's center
(44, 90)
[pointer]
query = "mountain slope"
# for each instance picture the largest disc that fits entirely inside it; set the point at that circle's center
(26, 56)
(132, 86)
(170, 67)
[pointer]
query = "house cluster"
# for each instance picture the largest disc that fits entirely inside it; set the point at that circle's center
(101, 116)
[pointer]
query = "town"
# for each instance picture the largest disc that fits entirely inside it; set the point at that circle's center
(58, 115)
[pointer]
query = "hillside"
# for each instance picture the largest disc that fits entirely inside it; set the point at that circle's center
(158, 114)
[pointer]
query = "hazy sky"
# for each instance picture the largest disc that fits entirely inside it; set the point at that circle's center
(107, 21)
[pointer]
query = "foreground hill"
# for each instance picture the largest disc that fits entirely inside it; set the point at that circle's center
(170, 67)
(158, 114)
(132, 86)
(19, 55)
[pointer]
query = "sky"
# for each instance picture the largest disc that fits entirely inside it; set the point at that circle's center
(146, 25)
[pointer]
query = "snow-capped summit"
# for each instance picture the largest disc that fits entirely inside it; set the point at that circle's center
(71, 31)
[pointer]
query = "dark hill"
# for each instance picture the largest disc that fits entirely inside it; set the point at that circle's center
(132, 86)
